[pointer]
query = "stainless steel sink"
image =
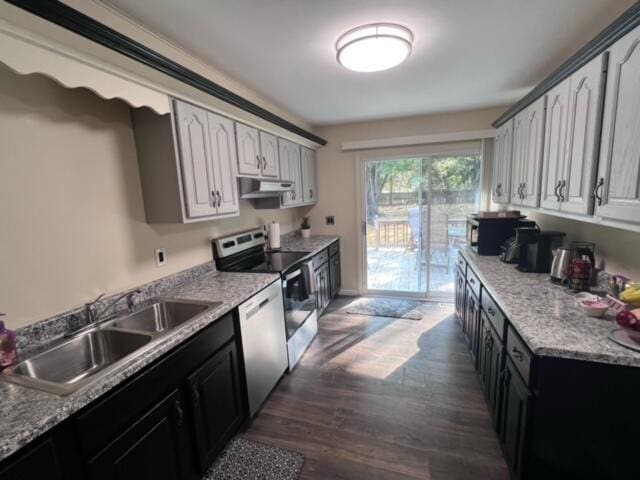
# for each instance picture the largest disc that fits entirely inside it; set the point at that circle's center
(92, 354)
(66, 367)
(161, 316)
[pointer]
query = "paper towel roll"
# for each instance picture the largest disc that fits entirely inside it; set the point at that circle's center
(274, 236)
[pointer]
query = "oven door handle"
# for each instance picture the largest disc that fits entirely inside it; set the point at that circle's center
(294, 274)
(309, 276)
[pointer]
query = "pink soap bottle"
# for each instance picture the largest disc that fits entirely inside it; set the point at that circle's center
(8, 353)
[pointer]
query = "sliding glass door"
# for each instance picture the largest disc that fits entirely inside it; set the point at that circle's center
(415, 222)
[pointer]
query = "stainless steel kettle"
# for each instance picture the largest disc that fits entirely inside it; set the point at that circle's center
(562, 257)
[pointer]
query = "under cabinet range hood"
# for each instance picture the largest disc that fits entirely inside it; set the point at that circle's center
(261, 188)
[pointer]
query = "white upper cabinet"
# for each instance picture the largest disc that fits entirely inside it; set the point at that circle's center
(501, 183)
(187, 163)
(617, 188)
(249, 158)
(269, 154)
(195, 160)
(528, 138)
(583, 137)
(289, 153)
(555, 144)
(308, 164)
(519, 135)
(571, 140)
(223, 157)
(257, 152)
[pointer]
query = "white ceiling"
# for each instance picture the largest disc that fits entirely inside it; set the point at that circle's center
(467, 53)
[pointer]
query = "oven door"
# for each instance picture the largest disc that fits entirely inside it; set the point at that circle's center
(299, 293)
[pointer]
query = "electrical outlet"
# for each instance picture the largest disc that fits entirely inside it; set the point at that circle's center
(330, 220)
(161, 257)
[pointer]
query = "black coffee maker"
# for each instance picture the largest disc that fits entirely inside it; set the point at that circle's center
(536, 248)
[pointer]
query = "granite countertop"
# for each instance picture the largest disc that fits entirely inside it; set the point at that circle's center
(546, 316)
(27, 414)
(294, 242)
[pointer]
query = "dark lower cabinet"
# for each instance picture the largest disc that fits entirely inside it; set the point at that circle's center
(334, 274)
(514, 418)
(216, 401)
(472, 322)
(460, 290)
(323, 283)
(39, 461)
(155, 447)
(495, 364)
(490, 366)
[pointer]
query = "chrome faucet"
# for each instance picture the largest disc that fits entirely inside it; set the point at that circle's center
(90, 308)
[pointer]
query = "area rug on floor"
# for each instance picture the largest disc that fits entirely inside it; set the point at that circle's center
(248, 460)
(389, 307)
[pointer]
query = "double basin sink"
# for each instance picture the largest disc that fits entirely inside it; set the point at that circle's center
(91, 354)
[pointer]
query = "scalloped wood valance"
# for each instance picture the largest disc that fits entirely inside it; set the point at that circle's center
(27, 53)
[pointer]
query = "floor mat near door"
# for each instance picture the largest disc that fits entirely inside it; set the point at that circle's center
(248, 460)
(389, 307)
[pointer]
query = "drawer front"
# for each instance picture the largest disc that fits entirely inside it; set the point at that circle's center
(321, 258)
(334, 248)
(462, 264)
(473, 282)
(494, 314)
(519, 354)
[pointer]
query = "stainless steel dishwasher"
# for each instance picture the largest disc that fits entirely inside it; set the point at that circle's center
(264, 343)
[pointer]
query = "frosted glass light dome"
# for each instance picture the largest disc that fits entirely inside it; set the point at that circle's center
(374, 47)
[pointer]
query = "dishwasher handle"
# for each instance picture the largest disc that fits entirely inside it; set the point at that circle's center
(250, 308)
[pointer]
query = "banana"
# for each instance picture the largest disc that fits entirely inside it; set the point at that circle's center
(631, 294)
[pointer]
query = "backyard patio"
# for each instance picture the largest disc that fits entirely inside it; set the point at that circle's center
(397, 269)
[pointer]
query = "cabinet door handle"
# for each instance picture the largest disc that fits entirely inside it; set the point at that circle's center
(517, 354)
(219, 198)
(564, 184)
(311, 192)
(491, 312)
(264, 162)
(555, 191)
(213, 195)
(506, 377)
(177, 407)
(259, 161)
(599, 187)
(524, 186)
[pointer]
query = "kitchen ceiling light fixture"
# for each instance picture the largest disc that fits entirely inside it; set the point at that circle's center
(374, 47)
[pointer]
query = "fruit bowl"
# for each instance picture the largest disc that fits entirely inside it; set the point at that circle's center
(629, 320)
(594, 308)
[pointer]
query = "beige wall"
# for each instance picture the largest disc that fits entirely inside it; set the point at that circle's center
(71, 213)
(337, 171)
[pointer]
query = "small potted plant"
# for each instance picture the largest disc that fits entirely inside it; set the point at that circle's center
(305, 227)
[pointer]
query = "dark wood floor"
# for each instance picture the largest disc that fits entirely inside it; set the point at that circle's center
(377, 398)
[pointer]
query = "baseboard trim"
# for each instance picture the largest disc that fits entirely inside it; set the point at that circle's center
(347, 292)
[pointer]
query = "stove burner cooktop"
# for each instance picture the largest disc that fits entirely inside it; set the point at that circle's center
(265, 262)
